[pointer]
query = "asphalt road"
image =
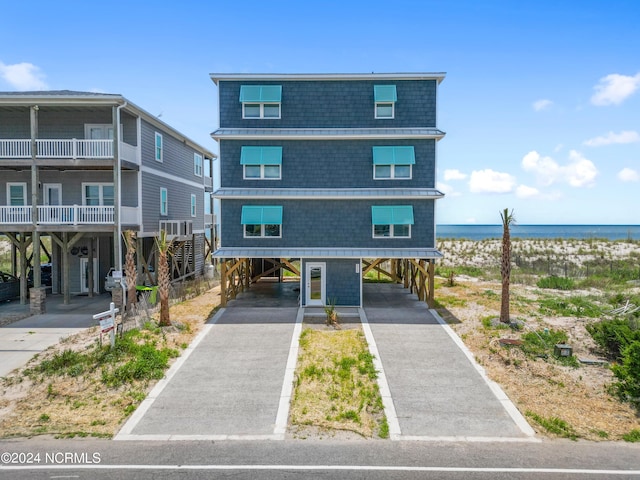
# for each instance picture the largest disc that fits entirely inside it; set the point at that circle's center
(375, 459)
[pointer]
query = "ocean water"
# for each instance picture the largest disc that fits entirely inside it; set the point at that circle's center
(481, 232)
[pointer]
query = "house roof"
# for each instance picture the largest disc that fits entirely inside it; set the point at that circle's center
(328, 133)
(329, 193)
(438, 76)
(324, 252)
(71, 98)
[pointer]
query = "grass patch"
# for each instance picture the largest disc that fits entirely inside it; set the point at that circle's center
(633, 436)
(556, 283)
(554, 425)
(570, 307)
(336, 386)
(541, 344)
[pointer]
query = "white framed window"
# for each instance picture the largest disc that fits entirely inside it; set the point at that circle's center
(391, 231)
(99, 131)
(261, 110)
(193, 205)
(385, 98)
(391, 221)
(262, 172)
(164, 202)
(97, 194)
(261, 163)
(261, 101)
(16, 194)
(263, 230)
(197, 164)
(392, 172)
(158, 147)
(261, 221)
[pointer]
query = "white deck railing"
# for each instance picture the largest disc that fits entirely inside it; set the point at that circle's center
(67, 148)
(76, 215)
(15, 215)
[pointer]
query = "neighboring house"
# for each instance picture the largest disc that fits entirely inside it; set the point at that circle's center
(81, 168)
(336, 171)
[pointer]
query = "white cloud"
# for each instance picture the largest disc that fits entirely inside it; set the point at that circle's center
(490, 181)
(578, 172)
(447, 189)
(523, 191)
(614, 89)
(23, 76)
(626, 136)
(628, 175)
(454, 174)
(542, 104)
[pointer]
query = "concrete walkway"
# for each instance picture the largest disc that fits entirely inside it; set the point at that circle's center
(437, 391)
(21, 340)
(230, 386)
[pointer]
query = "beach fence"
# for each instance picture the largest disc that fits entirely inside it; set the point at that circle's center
(571, 267)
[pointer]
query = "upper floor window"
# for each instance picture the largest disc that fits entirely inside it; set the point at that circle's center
(261, 163)
(197, 164)
(385, 100)
(16, 194)
(261, 101)
(97, 194)
(164, 201)
(193, 205)
(392, 221)
(262, 221)
(158, 148)
(393, 163)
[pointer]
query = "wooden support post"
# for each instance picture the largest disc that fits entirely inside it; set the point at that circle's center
(405, 267)
(90, 269)
(247, 273)
(65, 268)
(430, 294)
(223, 282)
(23, 269)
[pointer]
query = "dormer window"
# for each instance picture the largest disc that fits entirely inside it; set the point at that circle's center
(385, 100)
(261, 101)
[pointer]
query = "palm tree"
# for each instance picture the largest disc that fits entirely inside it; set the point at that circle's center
(130, 270)
(164, 250)
(505, 269)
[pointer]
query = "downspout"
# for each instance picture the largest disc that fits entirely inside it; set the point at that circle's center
(117, 179)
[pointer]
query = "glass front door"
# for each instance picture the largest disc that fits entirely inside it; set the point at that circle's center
(316, 284)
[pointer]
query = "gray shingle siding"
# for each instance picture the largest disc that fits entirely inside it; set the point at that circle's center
(328, 164)
(71, 182)
(334, 104)
(179, 196)
(15, 124)
(328, 223)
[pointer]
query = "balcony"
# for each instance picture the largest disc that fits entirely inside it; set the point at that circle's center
(58, 215)
(68, 149)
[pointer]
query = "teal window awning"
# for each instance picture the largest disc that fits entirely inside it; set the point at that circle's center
(385, 93)
(260, 93)
(392, 215)
(404, 155)
(261, 156)
(261, 215)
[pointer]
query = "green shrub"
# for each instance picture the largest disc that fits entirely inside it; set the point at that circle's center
(570, 307)
(556, 283)
(628, 374)
(613, 336)
(540, 343)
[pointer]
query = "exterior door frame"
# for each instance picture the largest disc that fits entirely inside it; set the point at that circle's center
(309, 302)
(83, 276)
(46, 187)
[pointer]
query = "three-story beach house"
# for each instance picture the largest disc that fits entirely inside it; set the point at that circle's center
(330, 176)
(81, 168)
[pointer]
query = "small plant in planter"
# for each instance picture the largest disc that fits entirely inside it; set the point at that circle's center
(332, 314)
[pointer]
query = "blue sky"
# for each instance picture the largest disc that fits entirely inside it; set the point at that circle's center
(541, 103)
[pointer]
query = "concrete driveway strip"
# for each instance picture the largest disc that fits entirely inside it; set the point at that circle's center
(231, 383)
(437, 391)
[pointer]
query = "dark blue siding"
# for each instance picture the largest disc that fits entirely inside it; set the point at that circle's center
(328, 164)
(334, 104)
(327, 223)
